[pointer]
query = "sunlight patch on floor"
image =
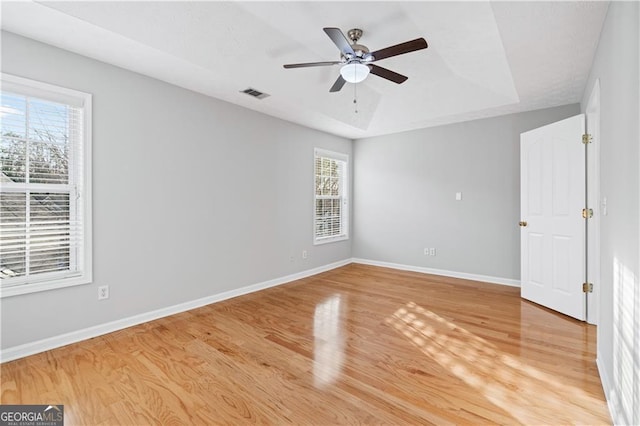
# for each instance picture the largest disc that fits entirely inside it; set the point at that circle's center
(329, 340)
(519, 389)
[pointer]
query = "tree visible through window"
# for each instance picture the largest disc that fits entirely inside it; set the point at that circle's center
(331, 203)
(42, 198)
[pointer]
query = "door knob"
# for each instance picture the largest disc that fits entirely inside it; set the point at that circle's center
(523, 223)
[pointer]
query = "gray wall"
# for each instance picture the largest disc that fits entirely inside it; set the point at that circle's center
(192, 196)
(404, 194)
(616, 64)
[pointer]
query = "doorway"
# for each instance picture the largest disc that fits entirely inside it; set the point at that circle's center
(560, 249)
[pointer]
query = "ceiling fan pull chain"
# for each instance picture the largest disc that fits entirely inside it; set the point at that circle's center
(355, 96)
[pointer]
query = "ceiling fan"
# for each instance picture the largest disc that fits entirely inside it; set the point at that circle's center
(356, 59)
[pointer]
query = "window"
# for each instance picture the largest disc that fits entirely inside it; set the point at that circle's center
(331, 213)
(45, 203)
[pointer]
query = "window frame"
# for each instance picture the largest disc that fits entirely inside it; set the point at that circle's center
(344, 194)
(58, 279)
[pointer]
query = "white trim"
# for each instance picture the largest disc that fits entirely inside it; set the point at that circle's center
(441, 272)
(332, 239)
(81, 101)
(593, 267)
(39, 89)
(609, 392)
(87, 186)
(344, 195)
(44, 282)
(339, 156)
(32, 348)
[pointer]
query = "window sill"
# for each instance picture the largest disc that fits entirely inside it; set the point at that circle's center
(36, 287)
(326, 240)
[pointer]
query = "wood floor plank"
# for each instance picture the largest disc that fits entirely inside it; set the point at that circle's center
(358, 344)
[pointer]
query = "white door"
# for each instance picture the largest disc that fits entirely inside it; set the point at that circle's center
(552, 183)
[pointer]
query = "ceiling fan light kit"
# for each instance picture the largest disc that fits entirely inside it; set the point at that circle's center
(354, 73)
(357, 60)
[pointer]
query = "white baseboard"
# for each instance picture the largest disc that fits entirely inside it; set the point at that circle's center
(609, 392)
(32, 348)
(441, 272)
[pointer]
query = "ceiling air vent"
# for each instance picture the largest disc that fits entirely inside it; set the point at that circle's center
(255, 93)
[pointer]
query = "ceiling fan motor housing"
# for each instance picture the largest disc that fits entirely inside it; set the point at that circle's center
(359, 49)
(361, 52)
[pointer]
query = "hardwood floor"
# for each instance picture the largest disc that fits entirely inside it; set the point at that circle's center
(358, 344)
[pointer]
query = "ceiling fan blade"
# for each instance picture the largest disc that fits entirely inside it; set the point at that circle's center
(338, 84)
(399, 49)
(388, 74)
(337, 36)
(312, 64)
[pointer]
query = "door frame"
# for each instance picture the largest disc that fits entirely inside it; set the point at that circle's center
(592, 117)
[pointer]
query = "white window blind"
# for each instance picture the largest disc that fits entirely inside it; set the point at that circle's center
(44, 191)
(331, 211)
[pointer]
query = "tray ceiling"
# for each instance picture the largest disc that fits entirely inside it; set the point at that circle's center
(484, 58)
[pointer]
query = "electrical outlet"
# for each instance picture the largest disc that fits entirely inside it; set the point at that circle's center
(430, 251)
(103, 292)
(305, 254)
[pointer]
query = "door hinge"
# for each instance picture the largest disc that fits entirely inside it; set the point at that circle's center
(587, 287)
(587, 213)
(586, 138)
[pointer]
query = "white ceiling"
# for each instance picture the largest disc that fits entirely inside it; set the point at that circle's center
(484, 58)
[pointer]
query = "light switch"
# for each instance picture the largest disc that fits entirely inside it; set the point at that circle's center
(458, 196)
